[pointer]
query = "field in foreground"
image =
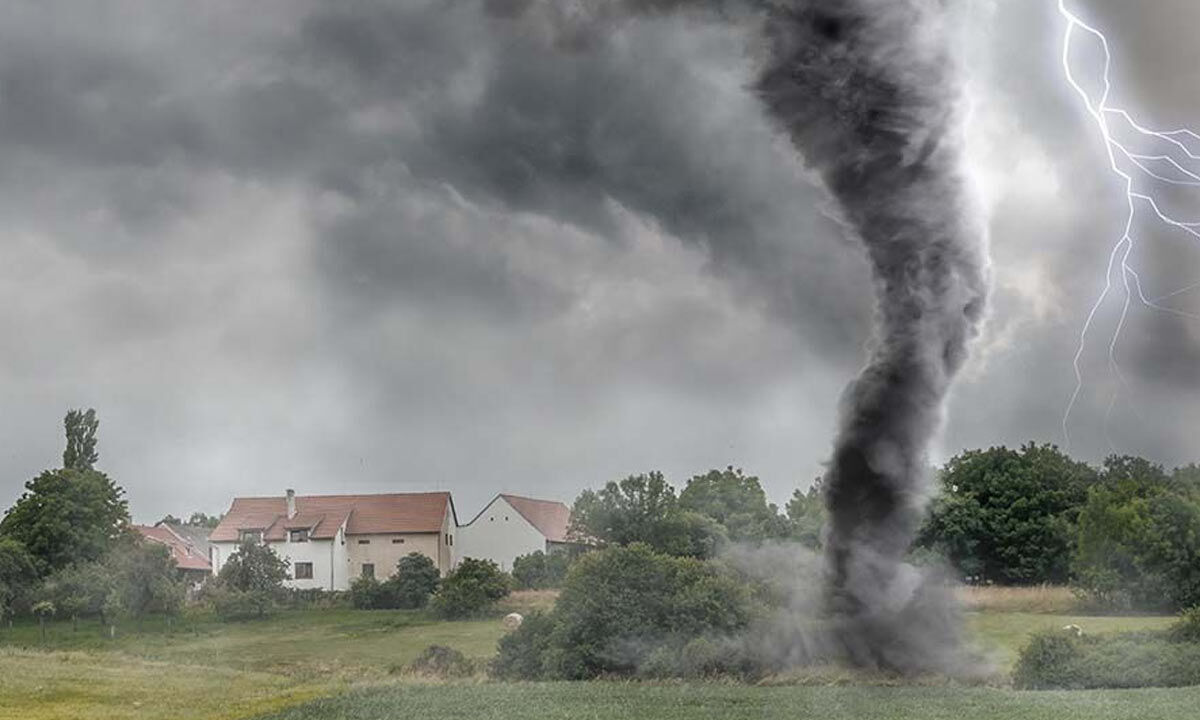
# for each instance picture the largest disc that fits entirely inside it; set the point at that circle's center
(633, 701)
(349, 664)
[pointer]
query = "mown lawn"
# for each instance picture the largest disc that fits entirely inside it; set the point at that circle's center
(633, 701)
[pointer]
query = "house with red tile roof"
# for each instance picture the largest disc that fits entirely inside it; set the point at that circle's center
(189, 549)
(331, 539)
(511, 525)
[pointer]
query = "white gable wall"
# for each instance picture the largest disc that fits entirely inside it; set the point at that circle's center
(499, 534)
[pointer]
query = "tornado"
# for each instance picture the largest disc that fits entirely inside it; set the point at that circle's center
(869, 94)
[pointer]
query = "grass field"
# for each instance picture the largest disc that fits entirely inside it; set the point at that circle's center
(350, 664)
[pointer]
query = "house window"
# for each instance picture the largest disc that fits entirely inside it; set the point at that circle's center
(254, 536)
(451, 541)
(397, 541)
(364, 542)
(303, 571)
(298, 536)
(368, 570)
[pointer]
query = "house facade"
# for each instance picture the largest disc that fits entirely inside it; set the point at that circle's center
(329, 540)
(510, 526)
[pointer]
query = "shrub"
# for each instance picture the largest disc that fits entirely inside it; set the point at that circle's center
(1126, 660)
(415, 581)
(443, 662)
(629, 610)
(473, 586)
(539, 571)
(521, 652)
(367, 593)
(1187, 627)
(230, 604)
(254, 567)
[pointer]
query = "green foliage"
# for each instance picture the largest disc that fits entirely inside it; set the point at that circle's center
(196, 519)
(81, 427)
(807, 515)
(539, 571)
(18, 575)
(67, 516)
(737, 503)
(522, 652)
(1139, 540)
(1060, 660)
(254, 567)
(620, 607)
(415, 580)
(473, 587)
(442, 662)
(1187, 627)
(643, 508)
(80, 589)
(231, 604)
(144, 581)
(1007, 516)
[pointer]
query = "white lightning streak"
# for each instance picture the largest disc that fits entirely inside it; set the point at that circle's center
(1162, 167)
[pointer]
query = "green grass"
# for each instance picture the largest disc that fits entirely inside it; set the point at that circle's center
(634, 701)
(1002, 635)
(345, 663)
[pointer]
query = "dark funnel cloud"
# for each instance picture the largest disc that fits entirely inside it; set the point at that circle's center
(867, 92)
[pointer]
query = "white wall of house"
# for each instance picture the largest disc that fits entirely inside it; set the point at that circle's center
(328, 556)
(499, 534)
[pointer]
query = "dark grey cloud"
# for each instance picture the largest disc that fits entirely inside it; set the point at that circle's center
(428, 244)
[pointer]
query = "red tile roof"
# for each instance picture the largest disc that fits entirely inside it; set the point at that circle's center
(186, 555)
(362, 514)
(550, 517)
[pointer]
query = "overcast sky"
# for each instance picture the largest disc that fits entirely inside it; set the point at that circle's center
(413, 245)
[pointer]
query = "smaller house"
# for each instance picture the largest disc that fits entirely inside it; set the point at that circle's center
(188, 545)
(510, 526)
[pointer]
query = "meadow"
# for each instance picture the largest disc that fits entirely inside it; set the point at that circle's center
(353, 664)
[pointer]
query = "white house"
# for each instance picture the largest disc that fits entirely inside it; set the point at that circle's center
(332, 539)
(510, 526)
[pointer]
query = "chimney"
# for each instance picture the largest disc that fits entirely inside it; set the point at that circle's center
(291, 503)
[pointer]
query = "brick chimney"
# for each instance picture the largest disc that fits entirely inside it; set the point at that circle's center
(291, 503)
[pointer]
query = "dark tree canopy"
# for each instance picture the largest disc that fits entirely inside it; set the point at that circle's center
(806, 514)
(254, 568)
(67, 516)
(18, 574)
(81, 427)
(1007, 516)
(737, 502)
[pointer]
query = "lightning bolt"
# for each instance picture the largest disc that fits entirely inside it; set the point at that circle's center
(1166, 165)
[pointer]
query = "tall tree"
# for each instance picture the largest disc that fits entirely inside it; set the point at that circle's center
(73, 514)
(81, 427)
(18, 574)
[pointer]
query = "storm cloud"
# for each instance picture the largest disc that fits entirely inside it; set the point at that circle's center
(419, 245)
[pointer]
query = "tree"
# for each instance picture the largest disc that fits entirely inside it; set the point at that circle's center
(79, 589)
(807, 515)
(538, 570)
(254, 567)
(1139, 538)
(1007, 516)
(415, 580)
(70, 515)
(643, 508)
(18, 575)
(144, 581)
(67, 516)
(196, 519)
(472, 587)
(736, 501)
(81, 427)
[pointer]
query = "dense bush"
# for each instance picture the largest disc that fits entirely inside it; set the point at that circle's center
(415, 580)
(250, 584)
(231, 604)
(538, 571)
(473, 587)
(1062, 660)
(442, 662)
(622, 608)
